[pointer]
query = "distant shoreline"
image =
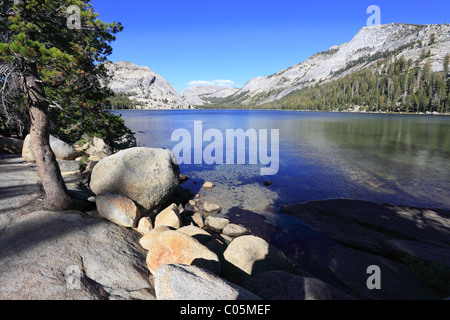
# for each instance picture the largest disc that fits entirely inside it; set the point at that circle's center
(321, 111)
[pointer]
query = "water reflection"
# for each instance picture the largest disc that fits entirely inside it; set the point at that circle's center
(384, 158)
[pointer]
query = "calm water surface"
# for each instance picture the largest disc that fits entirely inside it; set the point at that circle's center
(397, 159)
(401, 159)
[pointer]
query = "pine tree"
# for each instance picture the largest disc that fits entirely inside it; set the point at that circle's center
(47, 57)
(446, 65)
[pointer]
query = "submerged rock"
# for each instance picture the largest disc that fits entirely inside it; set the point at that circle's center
(418, 238)
(208, 185)
(397, 281)
(280, 285)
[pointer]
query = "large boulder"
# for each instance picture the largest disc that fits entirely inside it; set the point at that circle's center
(196, 233)
(172, 247)
(183, 282)
(62, 150)
(69, 255)
(118, 209)
(248, 256)
(150, 237)
(146, 175)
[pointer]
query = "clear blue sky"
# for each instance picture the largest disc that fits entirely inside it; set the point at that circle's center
(236, 40)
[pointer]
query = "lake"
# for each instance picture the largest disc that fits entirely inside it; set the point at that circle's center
(396, 159)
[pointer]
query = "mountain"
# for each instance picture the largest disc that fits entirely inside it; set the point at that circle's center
(369, 46)
(143, 87)
(206, 94)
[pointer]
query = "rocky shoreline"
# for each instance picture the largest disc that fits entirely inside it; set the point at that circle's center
(141, 235)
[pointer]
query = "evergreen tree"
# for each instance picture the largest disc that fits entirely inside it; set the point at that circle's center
(389, 85)
(446, 65)
(53, 63)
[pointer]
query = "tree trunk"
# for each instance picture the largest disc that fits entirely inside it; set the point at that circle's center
(47, 166)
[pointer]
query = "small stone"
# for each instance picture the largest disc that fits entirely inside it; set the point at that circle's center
(216, 224)
(192, 203)
(211, 207)
(169, 217)
(226, 238)
(145, 225)
(198, 220)
(118, 209)
(234, 230)
(91, 199)
(208, 185)
(197, 196)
